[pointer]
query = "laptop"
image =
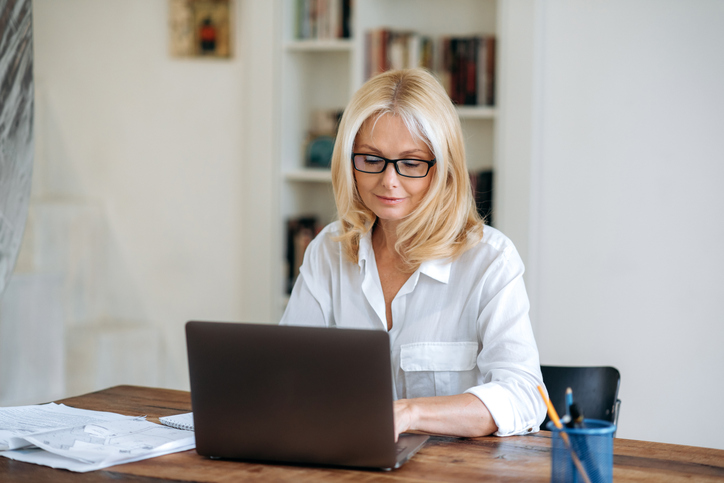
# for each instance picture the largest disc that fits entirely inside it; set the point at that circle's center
(288, 394)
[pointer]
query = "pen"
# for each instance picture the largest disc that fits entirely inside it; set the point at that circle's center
(578, 422)
(557, 422)
(576, 417)
(569, 401)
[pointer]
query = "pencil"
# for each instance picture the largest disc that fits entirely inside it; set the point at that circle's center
(557, 422)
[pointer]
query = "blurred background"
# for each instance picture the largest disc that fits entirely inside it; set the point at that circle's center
(171, 178)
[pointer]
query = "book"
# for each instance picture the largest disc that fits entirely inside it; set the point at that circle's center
(300, 232)
(179, 421)
(323, 19)
(387, 49)
(490, 71)
(483, 191)
(465, 65)
(481, 72)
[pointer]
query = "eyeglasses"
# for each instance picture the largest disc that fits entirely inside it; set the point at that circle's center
(409, 168)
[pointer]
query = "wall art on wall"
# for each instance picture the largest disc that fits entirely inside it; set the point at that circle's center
(200, 28)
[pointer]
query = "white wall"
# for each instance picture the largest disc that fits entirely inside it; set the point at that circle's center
(260, 288)
(627, 266)
(156, 143)
(620, 137)
(514, 122)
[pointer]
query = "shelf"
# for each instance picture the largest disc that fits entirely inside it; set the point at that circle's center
(332, 45)
(322, 74)
(476, 112)
(307, 175)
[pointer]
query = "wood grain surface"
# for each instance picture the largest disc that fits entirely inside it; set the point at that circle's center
(443, 459)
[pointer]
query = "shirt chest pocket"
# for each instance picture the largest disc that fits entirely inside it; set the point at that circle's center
(438, 368)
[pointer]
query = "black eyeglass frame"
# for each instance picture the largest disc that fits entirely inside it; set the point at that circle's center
(394, 162)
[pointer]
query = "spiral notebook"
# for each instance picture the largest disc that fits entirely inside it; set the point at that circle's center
(179, 421)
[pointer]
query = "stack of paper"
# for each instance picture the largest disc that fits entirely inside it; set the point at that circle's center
(81, 440)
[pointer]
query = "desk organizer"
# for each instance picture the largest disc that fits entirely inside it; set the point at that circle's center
(593, 445)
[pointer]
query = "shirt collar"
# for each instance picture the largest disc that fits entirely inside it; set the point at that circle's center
(436, 269)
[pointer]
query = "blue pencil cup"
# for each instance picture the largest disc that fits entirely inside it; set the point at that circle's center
(594, 447)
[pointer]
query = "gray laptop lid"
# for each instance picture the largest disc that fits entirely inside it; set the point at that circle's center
(293, 394)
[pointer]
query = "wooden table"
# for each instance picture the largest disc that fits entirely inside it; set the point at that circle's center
(444, 459)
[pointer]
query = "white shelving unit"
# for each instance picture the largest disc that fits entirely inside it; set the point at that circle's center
(309, 175)
(323, 74)
(475, 112)
(341, 45)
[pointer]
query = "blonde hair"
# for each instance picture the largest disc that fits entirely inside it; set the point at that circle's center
(446, 223)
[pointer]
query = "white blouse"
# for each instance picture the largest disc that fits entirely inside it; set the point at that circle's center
(458, 326)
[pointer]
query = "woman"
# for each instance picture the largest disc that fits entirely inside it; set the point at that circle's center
(411, 255)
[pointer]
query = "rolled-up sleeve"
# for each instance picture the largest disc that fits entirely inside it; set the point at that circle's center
(508, 363)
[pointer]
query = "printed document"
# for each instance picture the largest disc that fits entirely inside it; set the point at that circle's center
(82, 440)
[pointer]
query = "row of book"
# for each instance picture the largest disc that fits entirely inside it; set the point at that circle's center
(323, 19)
(301, 230)
(465, 65)
(389, 49)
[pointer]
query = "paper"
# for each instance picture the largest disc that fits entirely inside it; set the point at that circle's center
(77, 444)
(18, 422)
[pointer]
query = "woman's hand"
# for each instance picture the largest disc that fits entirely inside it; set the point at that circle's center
(460, 415)
(403, 416)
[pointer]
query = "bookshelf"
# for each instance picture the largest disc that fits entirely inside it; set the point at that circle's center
(324, 73)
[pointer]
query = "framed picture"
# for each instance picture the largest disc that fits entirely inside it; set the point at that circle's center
(200, 28)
